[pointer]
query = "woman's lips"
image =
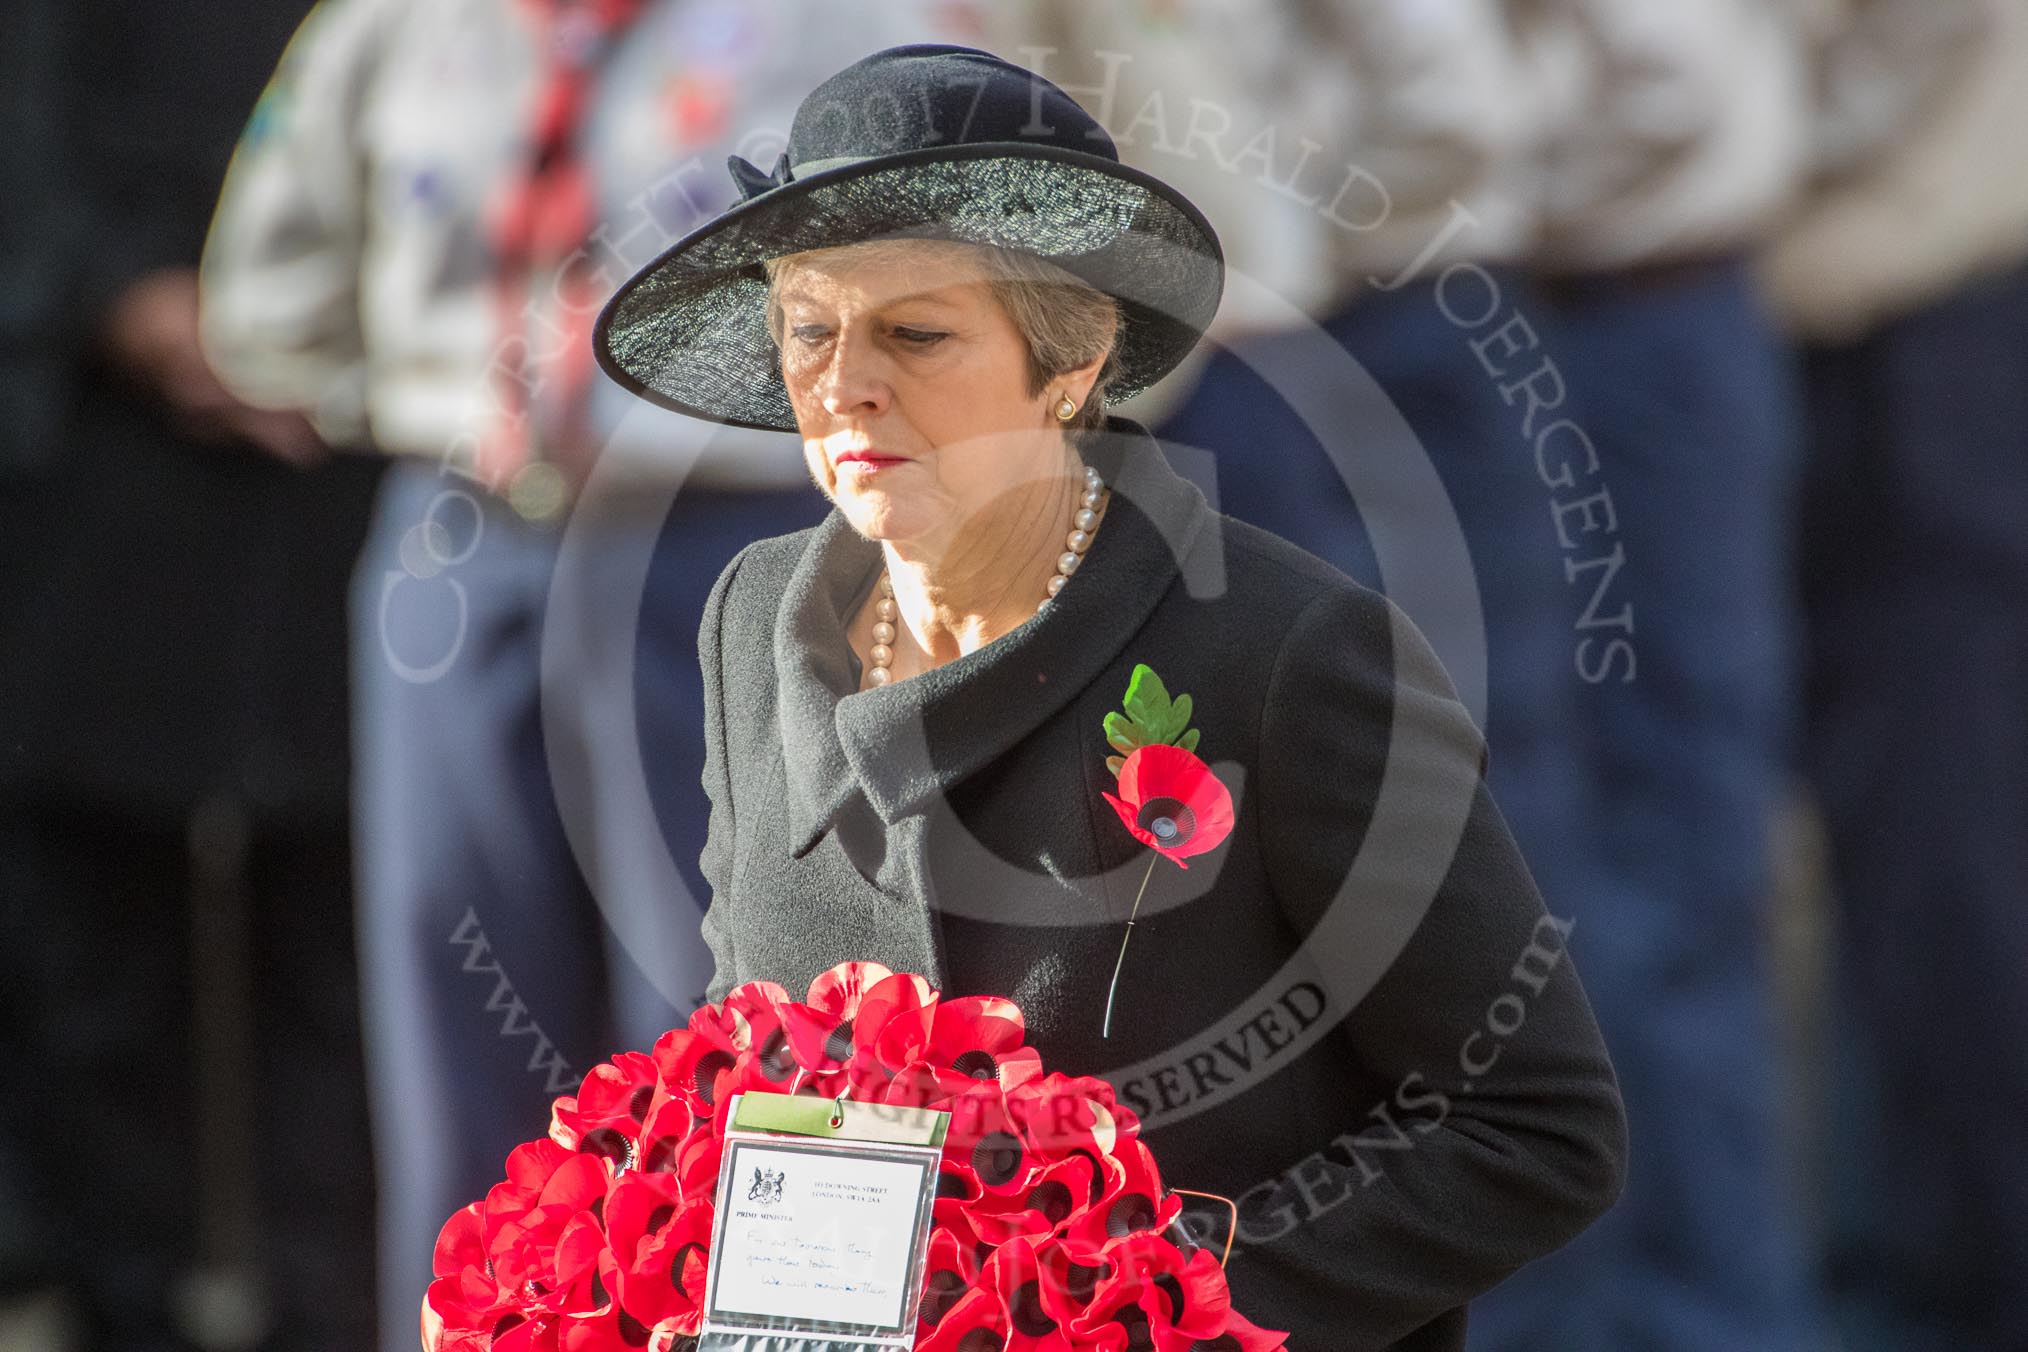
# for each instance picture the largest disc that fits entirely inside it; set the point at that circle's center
(868, 462)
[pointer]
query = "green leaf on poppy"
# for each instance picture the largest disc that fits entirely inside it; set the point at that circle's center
(1152, 718)
(1147, 698)
(1122, 734)
(1116, 764)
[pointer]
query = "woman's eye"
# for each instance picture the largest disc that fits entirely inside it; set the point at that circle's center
(808, 333)
(920, 337)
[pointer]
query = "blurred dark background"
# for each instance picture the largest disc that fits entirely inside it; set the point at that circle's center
(185, 1153)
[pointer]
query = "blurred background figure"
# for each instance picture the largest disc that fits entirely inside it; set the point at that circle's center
(1905, 272)
(183, 1139)
(425, 214)
(1529, 228)
(1674, 135)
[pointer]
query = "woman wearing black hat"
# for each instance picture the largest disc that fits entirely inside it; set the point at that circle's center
(1353, 1016)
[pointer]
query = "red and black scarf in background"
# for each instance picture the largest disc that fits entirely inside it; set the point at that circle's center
(543, 214)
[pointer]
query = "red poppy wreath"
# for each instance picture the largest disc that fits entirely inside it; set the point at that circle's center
(1051, 1229)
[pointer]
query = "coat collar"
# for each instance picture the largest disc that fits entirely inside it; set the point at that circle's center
(906, 745)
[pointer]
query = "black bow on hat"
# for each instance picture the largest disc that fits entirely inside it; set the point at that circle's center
(753, 181)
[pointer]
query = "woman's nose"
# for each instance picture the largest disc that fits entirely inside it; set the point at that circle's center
(854, 381)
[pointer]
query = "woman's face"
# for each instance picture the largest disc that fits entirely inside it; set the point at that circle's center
(910, 389)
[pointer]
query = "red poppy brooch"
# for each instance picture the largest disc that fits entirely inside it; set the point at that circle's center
(1168, 800)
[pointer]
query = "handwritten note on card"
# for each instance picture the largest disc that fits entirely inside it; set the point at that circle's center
(818, 1234)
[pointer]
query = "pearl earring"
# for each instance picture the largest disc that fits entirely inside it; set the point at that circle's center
(1065, 409)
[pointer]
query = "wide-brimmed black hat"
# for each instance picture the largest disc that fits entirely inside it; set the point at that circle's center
(925, 140)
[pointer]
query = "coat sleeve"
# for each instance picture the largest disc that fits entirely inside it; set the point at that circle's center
(1372, 783)
(716, 860)
(279, 284)
(1664, 129)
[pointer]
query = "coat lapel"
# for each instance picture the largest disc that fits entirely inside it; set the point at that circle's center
(907, 745)
(814, 670)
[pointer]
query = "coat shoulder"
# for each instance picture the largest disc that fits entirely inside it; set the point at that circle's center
(1305, 615)
(750, 587)
(1281, 579)
(737, 629)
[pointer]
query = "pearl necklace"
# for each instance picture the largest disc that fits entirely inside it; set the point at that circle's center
(1091, 506)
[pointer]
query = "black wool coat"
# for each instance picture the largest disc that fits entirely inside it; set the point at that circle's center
(1354, 1017)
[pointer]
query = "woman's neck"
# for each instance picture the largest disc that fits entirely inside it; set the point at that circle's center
(988, 579)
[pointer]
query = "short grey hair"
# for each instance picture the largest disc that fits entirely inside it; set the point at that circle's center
(1064, 321)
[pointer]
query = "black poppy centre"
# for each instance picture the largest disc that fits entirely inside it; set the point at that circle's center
(1140, 1338)
(1169, 820)
(1053, 1200)
(1129, 1214)
(611, 1144)
(997, 1158)
(775, 1060)
(939, 1293)
(704, 1079)
(977, 1065)
(1027, 1313)
(681, 1257)
(838, 1046)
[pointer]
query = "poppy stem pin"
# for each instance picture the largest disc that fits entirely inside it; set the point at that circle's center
(1113, 989)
